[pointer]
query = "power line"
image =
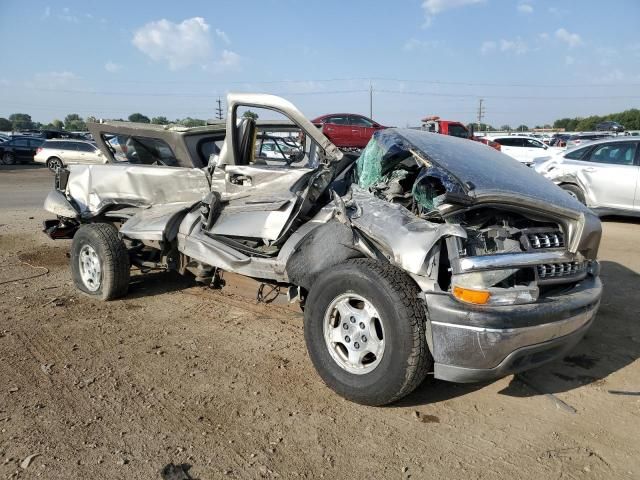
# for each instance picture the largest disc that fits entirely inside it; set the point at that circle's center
(337, 92)
(381, 79)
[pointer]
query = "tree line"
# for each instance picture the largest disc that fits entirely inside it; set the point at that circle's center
(75, 123)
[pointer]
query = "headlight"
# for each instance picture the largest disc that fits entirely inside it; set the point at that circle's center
(479, 288)
(496, 296)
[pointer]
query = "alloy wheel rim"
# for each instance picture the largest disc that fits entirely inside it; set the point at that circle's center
(90, 269)
(354, 334)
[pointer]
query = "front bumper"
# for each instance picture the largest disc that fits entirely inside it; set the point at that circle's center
(471, 344)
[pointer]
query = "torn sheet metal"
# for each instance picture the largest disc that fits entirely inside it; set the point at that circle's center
(404, 237)
(94, 187)
(155, 222)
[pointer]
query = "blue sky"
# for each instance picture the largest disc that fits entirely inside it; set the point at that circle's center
(531, 61)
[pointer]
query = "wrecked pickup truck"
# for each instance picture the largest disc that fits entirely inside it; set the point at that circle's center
(427, 254)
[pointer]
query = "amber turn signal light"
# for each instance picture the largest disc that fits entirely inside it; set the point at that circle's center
(479, 297)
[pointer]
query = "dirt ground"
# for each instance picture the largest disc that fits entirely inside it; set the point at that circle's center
(178, 373)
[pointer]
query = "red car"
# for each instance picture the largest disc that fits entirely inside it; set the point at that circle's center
(347, 130)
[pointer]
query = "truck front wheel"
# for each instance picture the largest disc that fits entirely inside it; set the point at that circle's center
(100, 262)
(364, 327)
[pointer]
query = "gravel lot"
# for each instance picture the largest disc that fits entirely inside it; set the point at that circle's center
(178, 373)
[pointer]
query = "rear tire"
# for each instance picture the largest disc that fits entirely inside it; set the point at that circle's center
(54, 163)
(9, 159)
(99, 262)
(575, 191)
(362, 288)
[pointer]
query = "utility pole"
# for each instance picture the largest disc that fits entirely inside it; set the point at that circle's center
(219, 110)
(370, 100)
(480, 113)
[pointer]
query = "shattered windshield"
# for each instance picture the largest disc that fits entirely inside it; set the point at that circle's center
(401, 174)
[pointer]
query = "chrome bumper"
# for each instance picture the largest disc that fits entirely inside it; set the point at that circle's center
(475, 344)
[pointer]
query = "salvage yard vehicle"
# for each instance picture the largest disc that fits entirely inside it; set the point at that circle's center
(19, 149)
(58, 153)
(347, 130)
(604, 174)
(428, 253)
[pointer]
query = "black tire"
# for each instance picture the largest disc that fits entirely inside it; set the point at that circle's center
(54, 163)
(9, 158)
(113, 259)
(406, 359)
(574, 191)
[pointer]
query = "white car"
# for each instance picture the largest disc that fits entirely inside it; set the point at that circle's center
(59, 153)
(603, 174)
(523, 148)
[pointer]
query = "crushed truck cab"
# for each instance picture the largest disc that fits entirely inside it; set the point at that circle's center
(427, 253)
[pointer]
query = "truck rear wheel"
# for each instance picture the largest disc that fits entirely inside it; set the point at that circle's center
(364, 327)
(100, 262)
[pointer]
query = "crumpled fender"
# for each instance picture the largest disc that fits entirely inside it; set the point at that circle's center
(402, 237)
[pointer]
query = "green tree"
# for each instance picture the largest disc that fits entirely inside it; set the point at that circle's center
(57, 124)
(138, 117)
(74, 122)
(522, 128)
(20, 121)
(5, 125)
(160, 120)
(505, 128)
(192, 122)
(250, 114)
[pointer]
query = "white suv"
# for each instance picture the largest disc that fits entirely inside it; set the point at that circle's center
(522, 148)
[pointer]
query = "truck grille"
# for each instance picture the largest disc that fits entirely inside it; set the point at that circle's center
(560, 270)
(551, 239)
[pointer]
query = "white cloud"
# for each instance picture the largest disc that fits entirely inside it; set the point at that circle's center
(52, 80)
(525, 8)
(488, 47)
(112, 67)
(571, 39)
(47, 12)
(543, 36)
(228, 61)
(434, 7)
(223, 36)
(517, 46)
(178, 44)
(569, 60)
(67, 16)
(415, 44)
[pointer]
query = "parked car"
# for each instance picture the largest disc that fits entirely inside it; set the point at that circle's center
(59, 153)
(4, 138)
(522, 148)
(20, 149)
(609, 126)
(347, 130)
(578, 139)
(503, 260)
(604, 175)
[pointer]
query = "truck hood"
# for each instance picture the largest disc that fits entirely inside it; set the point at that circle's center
(473, 173)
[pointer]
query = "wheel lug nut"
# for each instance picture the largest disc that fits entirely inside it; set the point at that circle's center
(353, 319)
(345, 326)
(347, 339)
(364, 339)
(361, 325)
(356, 344)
